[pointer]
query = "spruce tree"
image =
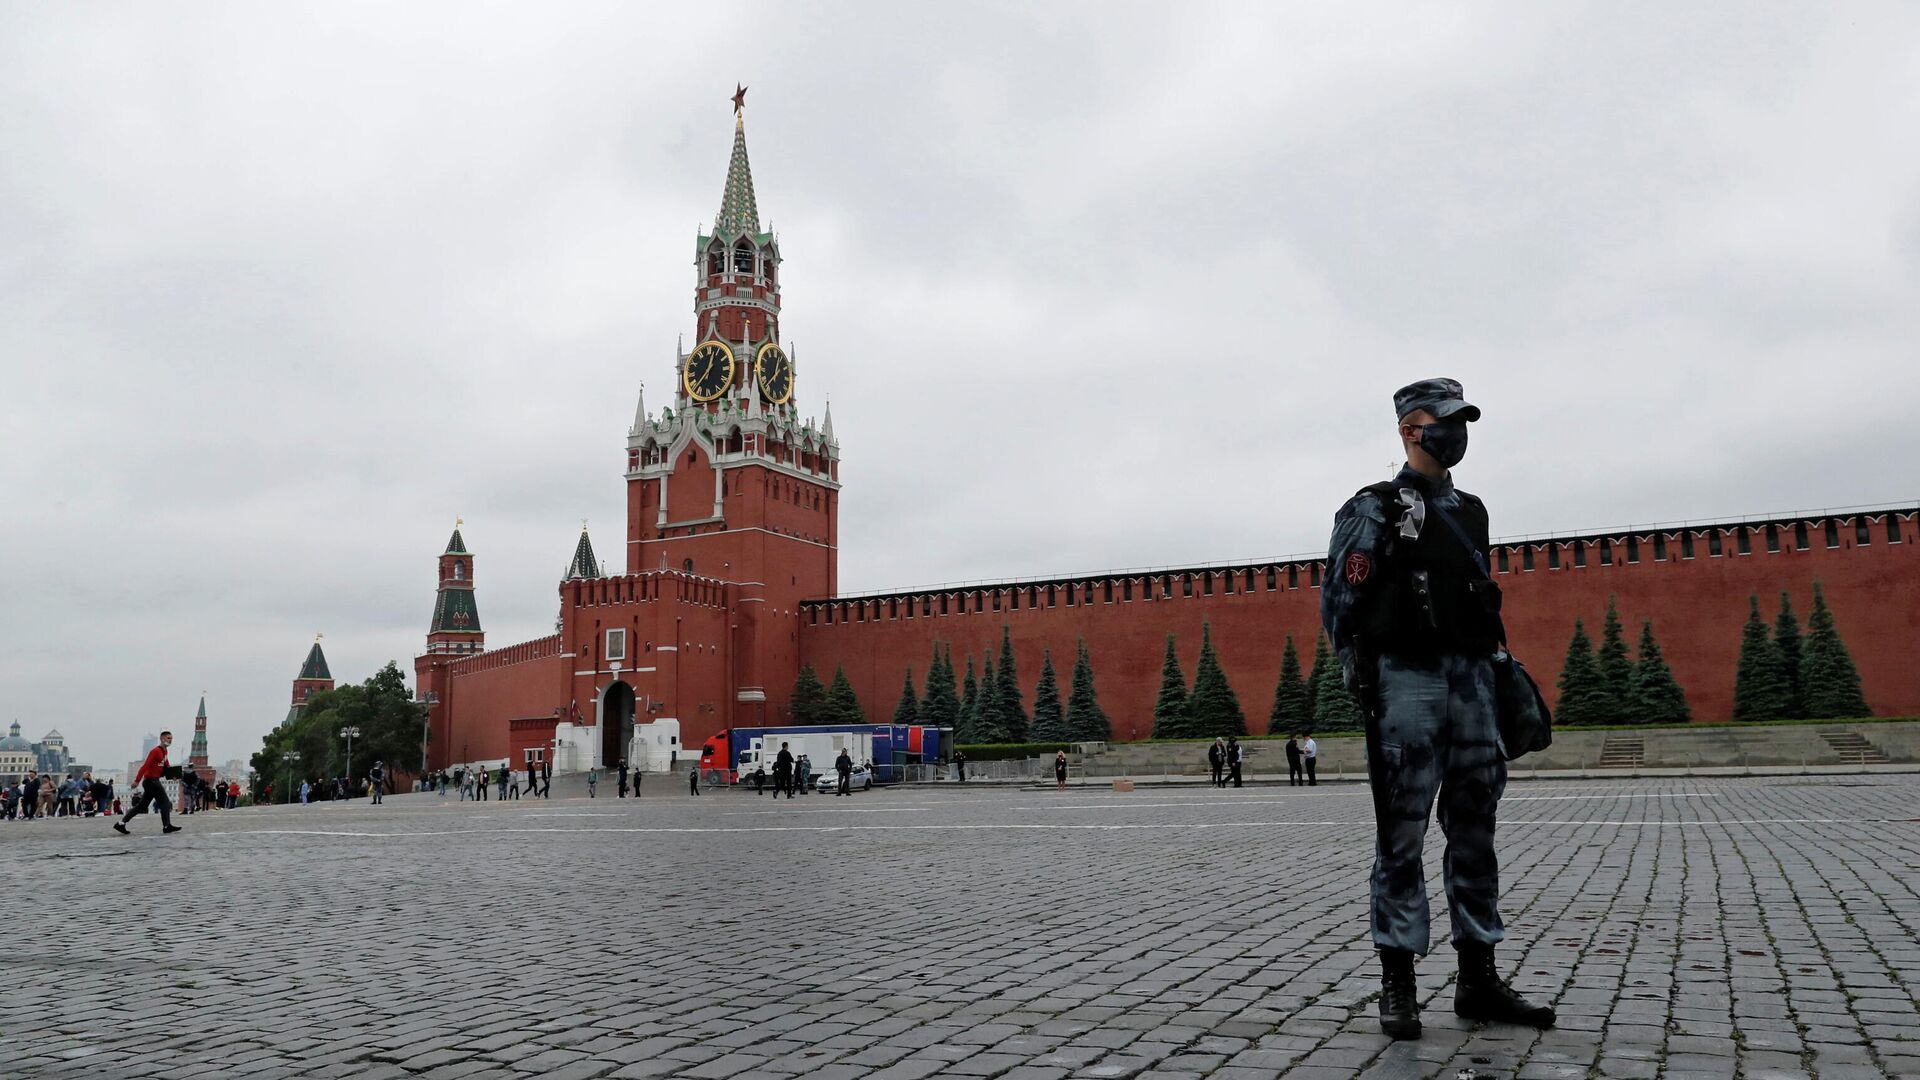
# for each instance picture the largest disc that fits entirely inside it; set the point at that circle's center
(967, 728)
(1170, 707)
(941, 707)
(1292, 701)
(1830, 680)
(1582, 694)
(908, 711)
(1086, 722)
(1786, 637)
(1049, 721)
(1615, 670)
(1323, 662)
(1013, 708)
(1334, 706)
(1213, 709)
(989, 721)
(1760, 690)
(809, 702)
(842, 704)
(1657, 697)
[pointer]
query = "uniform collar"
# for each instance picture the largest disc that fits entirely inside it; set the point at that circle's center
(1433, 489)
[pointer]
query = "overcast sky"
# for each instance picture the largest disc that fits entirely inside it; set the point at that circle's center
(285, 289)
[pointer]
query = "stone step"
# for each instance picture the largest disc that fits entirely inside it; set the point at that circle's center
(1853, 748)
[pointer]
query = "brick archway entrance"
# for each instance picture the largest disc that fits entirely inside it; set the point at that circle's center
(616, 722)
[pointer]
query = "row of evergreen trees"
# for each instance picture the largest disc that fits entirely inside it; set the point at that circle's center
(1608, 687)
(1780, 677)
(1319, 701)
(1785, 677)
(986, 708)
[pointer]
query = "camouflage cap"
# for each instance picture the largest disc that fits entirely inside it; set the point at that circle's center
(1441, 397)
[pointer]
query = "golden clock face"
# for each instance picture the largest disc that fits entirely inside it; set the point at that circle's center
(773, 369)
(709, 370)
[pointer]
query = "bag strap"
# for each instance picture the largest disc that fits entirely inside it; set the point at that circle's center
(1479, 559)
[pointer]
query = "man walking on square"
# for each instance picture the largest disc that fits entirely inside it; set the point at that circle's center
(1416, 619)
(1234, 759)
(1216, 758)
(151, 771)
(377, 781)
(623, 778)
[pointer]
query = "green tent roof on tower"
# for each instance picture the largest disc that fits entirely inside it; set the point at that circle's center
(584, 565)
(316, 665)
(455, 545)
(454, 613)
(738, 213)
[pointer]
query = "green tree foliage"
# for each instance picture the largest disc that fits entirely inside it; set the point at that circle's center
(1786, 637)
(1334, 706)
(1170, 707)
(391, 725)
(1831, 682)
(843, 705)
(1049, 720)
(967, 728)
(1086, 721)
(1013, 707)
(990, 719)
(1657, 697)
(1583, 697)
(1322, 660)
(1292, 700)
(941, 707)
(1615, 670)
(808, 705)
(1760, 690)
(1213, 709)
(908, 711)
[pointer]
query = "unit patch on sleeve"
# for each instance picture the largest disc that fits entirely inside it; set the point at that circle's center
(1358, 567)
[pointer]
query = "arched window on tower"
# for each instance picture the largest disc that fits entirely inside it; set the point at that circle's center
(743, 257)
(458, 573)
(716, 260)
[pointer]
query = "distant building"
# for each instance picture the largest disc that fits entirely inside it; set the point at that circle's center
(16, 756)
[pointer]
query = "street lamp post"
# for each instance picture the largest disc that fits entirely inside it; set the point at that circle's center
(348, 733)
(292, 758)
(429, 699)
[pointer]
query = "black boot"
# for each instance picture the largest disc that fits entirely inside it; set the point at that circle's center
(1399, 1009)
(1481, 994)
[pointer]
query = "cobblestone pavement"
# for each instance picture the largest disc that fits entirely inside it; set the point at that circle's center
(1709, 928)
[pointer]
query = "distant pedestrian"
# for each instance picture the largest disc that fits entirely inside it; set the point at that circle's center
(623, 777)
(506, 777)
(783, 772)
(377, 781)
(1309, 756)
(1235, 758)
(546, 779)
(760, 780)
(306, 789)
(803, 775)
(844, 766)
(960, 764)
(152, 795)
(1060, 771)
(693, 779)
(512, 776)
(1216, 761)
(480, 784)
(1296, 776)
(593, 780)
(636, 783)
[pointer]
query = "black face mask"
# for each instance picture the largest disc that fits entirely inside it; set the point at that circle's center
(1445, 441)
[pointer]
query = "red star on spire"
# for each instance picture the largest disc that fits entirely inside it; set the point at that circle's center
(739, 97)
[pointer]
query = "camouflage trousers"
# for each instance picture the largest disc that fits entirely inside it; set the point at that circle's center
(1437, 736)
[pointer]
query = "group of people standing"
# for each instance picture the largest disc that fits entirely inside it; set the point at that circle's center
(1226, 760)
(36, 796)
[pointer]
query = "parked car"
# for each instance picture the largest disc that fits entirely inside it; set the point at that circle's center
(860, 780)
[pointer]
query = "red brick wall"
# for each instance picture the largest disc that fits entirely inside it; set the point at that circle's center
(1697, 607)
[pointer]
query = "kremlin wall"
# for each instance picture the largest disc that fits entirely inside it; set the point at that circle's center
(731, 578)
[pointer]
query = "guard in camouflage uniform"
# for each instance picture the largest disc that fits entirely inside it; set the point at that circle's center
(1408, 604)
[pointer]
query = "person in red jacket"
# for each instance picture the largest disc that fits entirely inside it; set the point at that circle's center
(152, 794)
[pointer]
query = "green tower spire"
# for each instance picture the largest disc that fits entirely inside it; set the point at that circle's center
(738, 215)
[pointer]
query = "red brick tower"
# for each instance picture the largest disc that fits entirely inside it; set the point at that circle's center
(455, 632)
(197, 757)
(730, 483)
(313, 678)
